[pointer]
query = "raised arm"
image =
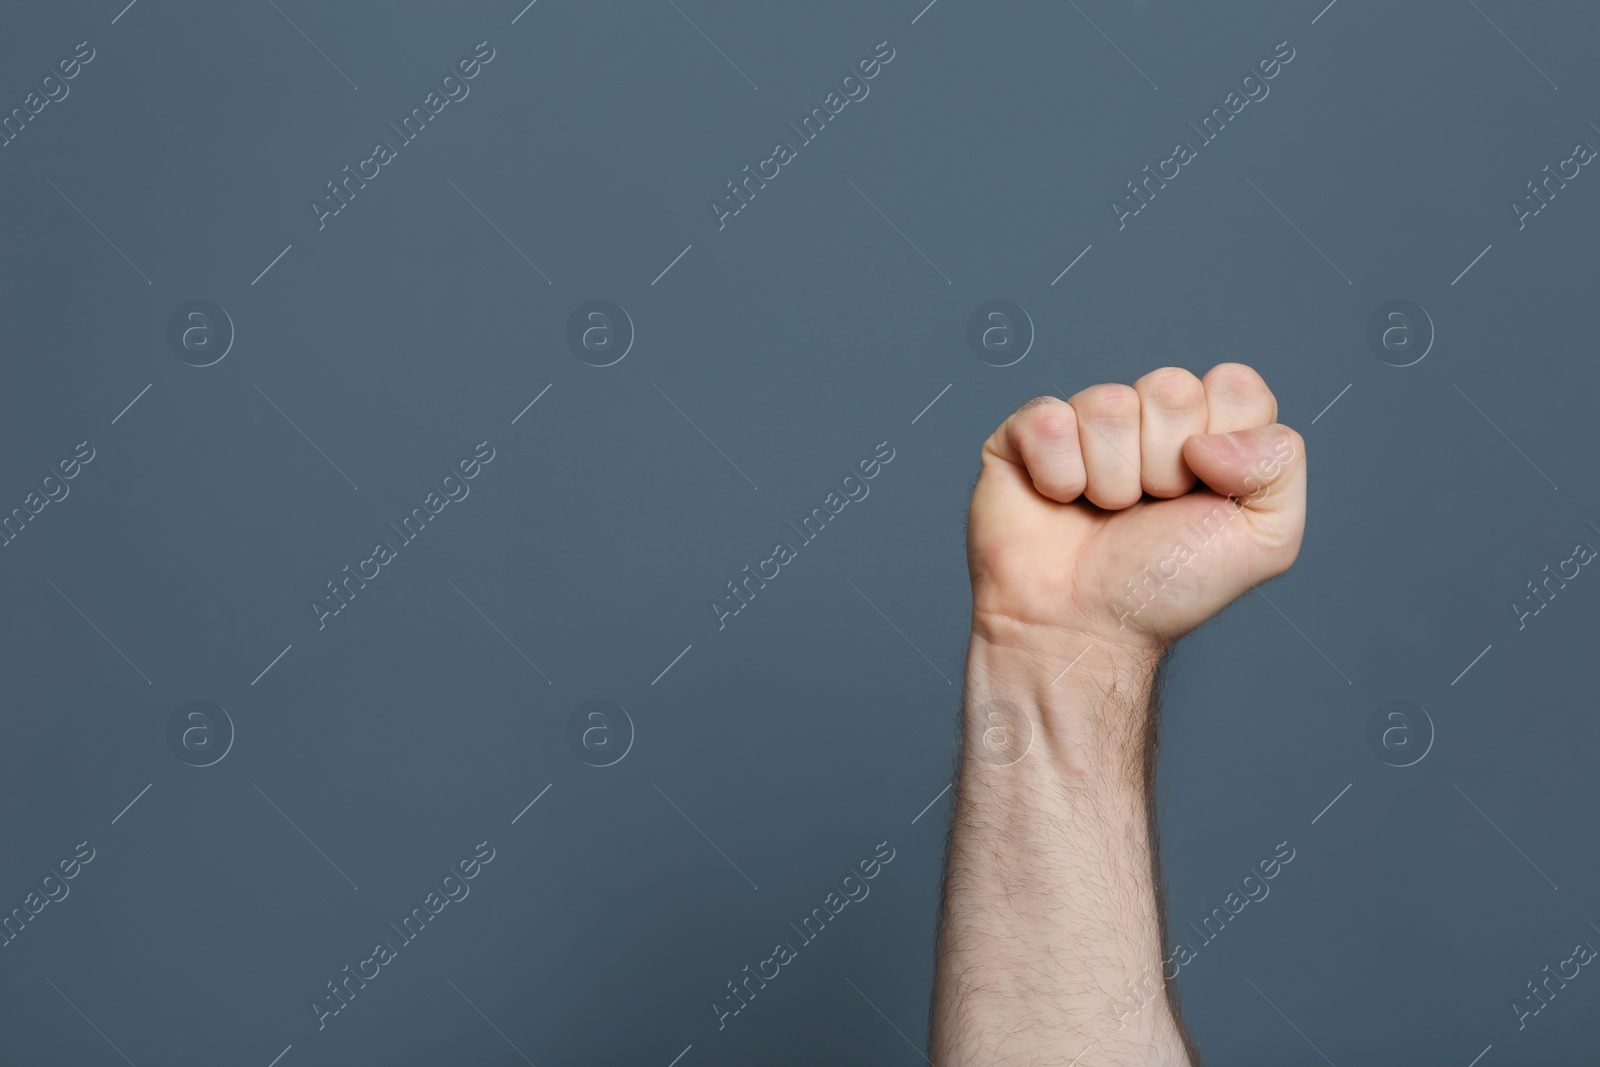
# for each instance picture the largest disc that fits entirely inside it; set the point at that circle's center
(1102, 529)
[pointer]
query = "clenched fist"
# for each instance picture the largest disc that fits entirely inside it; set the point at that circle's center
(1130, 514)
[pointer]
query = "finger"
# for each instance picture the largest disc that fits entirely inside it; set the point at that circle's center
(1041, 438)
(1108, 434)
(1264, 470)
(1237, 399)
(1172, 407)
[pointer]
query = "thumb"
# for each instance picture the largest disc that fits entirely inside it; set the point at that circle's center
(1264, 470)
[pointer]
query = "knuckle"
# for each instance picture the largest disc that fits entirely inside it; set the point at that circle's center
(1172, 388)
(1109, 401)
(1236, 382)
(1051, 424)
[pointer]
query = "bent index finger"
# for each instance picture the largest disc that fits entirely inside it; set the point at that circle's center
(1041, 437)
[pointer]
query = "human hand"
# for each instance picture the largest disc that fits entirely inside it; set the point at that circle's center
(1129, 515)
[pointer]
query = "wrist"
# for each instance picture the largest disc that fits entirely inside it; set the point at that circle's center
(1103, 646)
(1064, 704)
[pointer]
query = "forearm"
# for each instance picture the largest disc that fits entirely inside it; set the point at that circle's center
(1050, 937)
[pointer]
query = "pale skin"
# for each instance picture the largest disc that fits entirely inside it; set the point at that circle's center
(1102, 529)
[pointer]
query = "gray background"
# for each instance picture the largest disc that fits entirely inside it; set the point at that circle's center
(378, 751)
